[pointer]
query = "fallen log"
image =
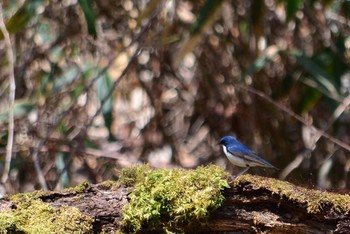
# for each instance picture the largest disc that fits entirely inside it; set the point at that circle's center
(191, 201)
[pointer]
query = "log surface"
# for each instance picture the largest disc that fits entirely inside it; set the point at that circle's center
(246, 209)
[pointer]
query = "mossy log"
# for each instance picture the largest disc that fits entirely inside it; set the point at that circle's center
(250, 204)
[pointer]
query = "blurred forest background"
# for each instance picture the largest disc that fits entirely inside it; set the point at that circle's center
(89, 87)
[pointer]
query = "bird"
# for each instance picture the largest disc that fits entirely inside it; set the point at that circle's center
(241, 155)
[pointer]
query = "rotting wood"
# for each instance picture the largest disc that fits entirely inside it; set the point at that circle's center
(247, 208)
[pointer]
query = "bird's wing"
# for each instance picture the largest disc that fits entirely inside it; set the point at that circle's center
(240, 150)
(248, 154)
(243, 152)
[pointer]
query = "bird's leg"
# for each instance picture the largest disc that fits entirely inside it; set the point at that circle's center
(242, 172)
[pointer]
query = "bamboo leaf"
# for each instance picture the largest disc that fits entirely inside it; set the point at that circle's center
(292, 6)
(21, 108)
(206, 17)
(104, 85)
(22, 16)
(90, 16)
(319, 75)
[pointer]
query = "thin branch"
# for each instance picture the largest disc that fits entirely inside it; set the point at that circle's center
(137, 39)
(103, 101)
(64, 113)
(300, 158)
(12, 90)
(292, 166)
(88, 151)
(298, 117)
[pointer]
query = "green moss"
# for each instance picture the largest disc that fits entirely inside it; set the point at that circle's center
(313, 198)
(129, 177)
(31, 215)
(169, 198)
(110, 184)
(80, 188)
(25, 196)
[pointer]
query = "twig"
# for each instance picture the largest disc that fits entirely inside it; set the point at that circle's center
(103, 101)
(89, 151)
(300, 158)
(137, 39)
(12, 90)
(299, 118)
(49, 131)
(37, 167)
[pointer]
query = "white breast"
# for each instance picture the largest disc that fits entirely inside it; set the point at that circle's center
(233, 159)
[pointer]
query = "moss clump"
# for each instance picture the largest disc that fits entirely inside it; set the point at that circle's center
(313, 198)
(129, 177)
(169, 198)
(81, 188)
(110, 184)
(34, 216)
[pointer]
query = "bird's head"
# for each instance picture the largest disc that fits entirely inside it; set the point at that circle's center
(228, 140)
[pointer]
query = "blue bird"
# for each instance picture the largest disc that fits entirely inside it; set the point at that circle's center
(241, 155)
